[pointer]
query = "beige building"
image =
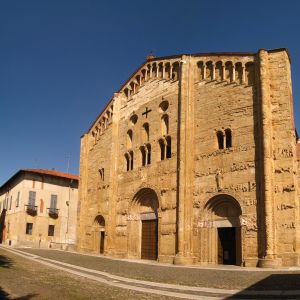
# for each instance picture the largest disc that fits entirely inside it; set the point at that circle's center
(194, 160)
(39, 209)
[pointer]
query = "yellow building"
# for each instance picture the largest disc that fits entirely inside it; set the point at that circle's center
(194, 160)
(39, 209)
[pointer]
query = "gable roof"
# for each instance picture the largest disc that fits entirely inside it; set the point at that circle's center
(47, 172)
(53, 173)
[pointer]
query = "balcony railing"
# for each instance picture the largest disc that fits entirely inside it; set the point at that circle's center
(53, 212)
(31, 209)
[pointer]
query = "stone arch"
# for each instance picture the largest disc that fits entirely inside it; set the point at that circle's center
(223, 228)
(239, 72)
(224, 205)
(209, 70)
(143, 224)
(99, 234)
(219, 71)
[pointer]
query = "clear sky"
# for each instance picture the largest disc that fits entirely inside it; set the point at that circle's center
(61, 61)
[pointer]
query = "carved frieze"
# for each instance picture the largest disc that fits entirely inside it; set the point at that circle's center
(242, 166)
(284, 189)
(285, 206)
(283, 170)
(243, 187)
(218, 152)
(290, 225)
(283, 152)
(250, 202)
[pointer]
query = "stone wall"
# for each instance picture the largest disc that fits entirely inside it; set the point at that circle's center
(229, 120)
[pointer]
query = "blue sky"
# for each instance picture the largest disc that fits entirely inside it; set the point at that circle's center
(61, 61)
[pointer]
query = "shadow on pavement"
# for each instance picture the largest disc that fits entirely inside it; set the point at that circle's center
(5, 262)
(5, 296)
(274, 282)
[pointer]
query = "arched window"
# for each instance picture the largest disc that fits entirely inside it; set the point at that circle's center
(131, 160)
(162, 149)
(145, 132)
(165, 125)
(143, 154)
(129, 139)
(169, 148)
(148, 154)
(220, 137)
(127, 162)
(228, 137)
(101, 174)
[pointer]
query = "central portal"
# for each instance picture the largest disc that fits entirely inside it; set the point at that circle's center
(149, 239)
(227, 246)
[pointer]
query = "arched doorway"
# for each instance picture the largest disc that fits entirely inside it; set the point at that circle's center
(143, 225)
(224, 214)
(99, 230)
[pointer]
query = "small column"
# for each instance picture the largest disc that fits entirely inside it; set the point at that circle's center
(171, 70)
(204, 70)
(163, 70)
(150, 71)
(213, 71)
(157, 70)
(146, 75)
(233, 72)
(243, 74)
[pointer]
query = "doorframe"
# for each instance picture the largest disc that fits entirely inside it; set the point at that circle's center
(238, 239)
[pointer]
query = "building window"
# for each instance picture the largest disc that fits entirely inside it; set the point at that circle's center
(228, 138)
(148, 147)
(162, 149)
(169, 147)
(10, 202)
(146, 154)
(129, 139)
(31, 200)
(51, 230)
(145, 134)
(220, 137)
(165, 145)
(101, 174)
(53, 202)
(165, 125)
(29, 227)
(18, 200)
(129, 160)
(143, 153)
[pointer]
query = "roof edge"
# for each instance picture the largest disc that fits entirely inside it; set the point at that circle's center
(35, 171)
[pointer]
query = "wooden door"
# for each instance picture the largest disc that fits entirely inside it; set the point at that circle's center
(149, 239)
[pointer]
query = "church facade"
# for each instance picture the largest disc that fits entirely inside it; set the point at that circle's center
(194, 161)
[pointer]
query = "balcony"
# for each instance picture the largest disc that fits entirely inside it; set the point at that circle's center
(53, 212)
(31, 209)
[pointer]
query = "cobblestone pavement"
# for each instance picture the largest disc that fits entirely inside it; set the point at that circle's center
(185, 282)
(24, 279)
(214, 278)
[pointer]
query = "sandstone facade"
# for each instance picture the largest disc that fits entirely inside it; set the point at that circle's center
(194, 161)
(39, 209)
